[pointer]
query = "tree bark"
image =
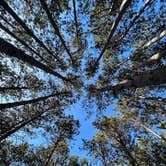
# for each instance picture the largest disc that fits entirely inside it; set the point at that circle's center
(145, 46)
(160, 99)
(20, 103)
(126, 149)
(5, 20)
(75, 18)
(112, 6)
(12, 51)
(50, 155)
(13, 88)
(148, 129)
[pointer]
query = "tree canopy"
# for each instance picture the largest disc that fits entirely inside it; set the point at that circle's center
(55, 53)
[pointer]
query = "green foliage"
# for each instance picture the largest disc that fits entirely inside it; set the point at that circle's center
(109, 54)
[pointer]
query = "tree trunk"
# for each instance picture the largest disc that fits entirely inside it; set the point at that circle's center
(20, 103)
(12, 51)
(134, 20)
(50, 155)
(123, 7)
(75, 18)
(126, 149)
(145, 46)
(56, 29)
(112, 6)
(154, 77)
(22, 42)
(27, 29)
(148, 129)
(16, 128)
(12, 88)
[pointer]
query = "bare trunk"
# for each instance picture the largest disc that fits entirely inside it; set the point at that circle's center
(112, 6)
(75, 18)
(126, 149)
(148, 129)
(13, 88)
(50, 155)
(147, 2)
(21, 125)
(160, 99)
(145, 46)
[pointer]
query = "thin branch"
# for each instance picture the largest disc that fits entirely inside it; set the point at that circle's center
(160, 99)
(148, 129)
(112, 6)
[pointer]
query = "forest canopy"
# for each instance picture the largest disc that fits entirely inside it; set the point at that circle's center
(109, 55)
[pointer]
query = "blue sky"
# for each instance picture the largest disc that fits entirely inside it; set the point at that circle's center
(79, 112)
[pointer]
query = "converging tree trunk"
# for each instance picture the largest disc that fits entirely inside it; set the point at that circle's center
(22, 42)
(20, 125)
(12, 51)
(27, 29)
(122, 10)
(55, 26)
(20, 103)
(154, 77)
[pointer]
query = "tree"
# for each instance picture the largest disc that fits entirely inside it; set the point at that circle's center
(106, 53)
(119, 140)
